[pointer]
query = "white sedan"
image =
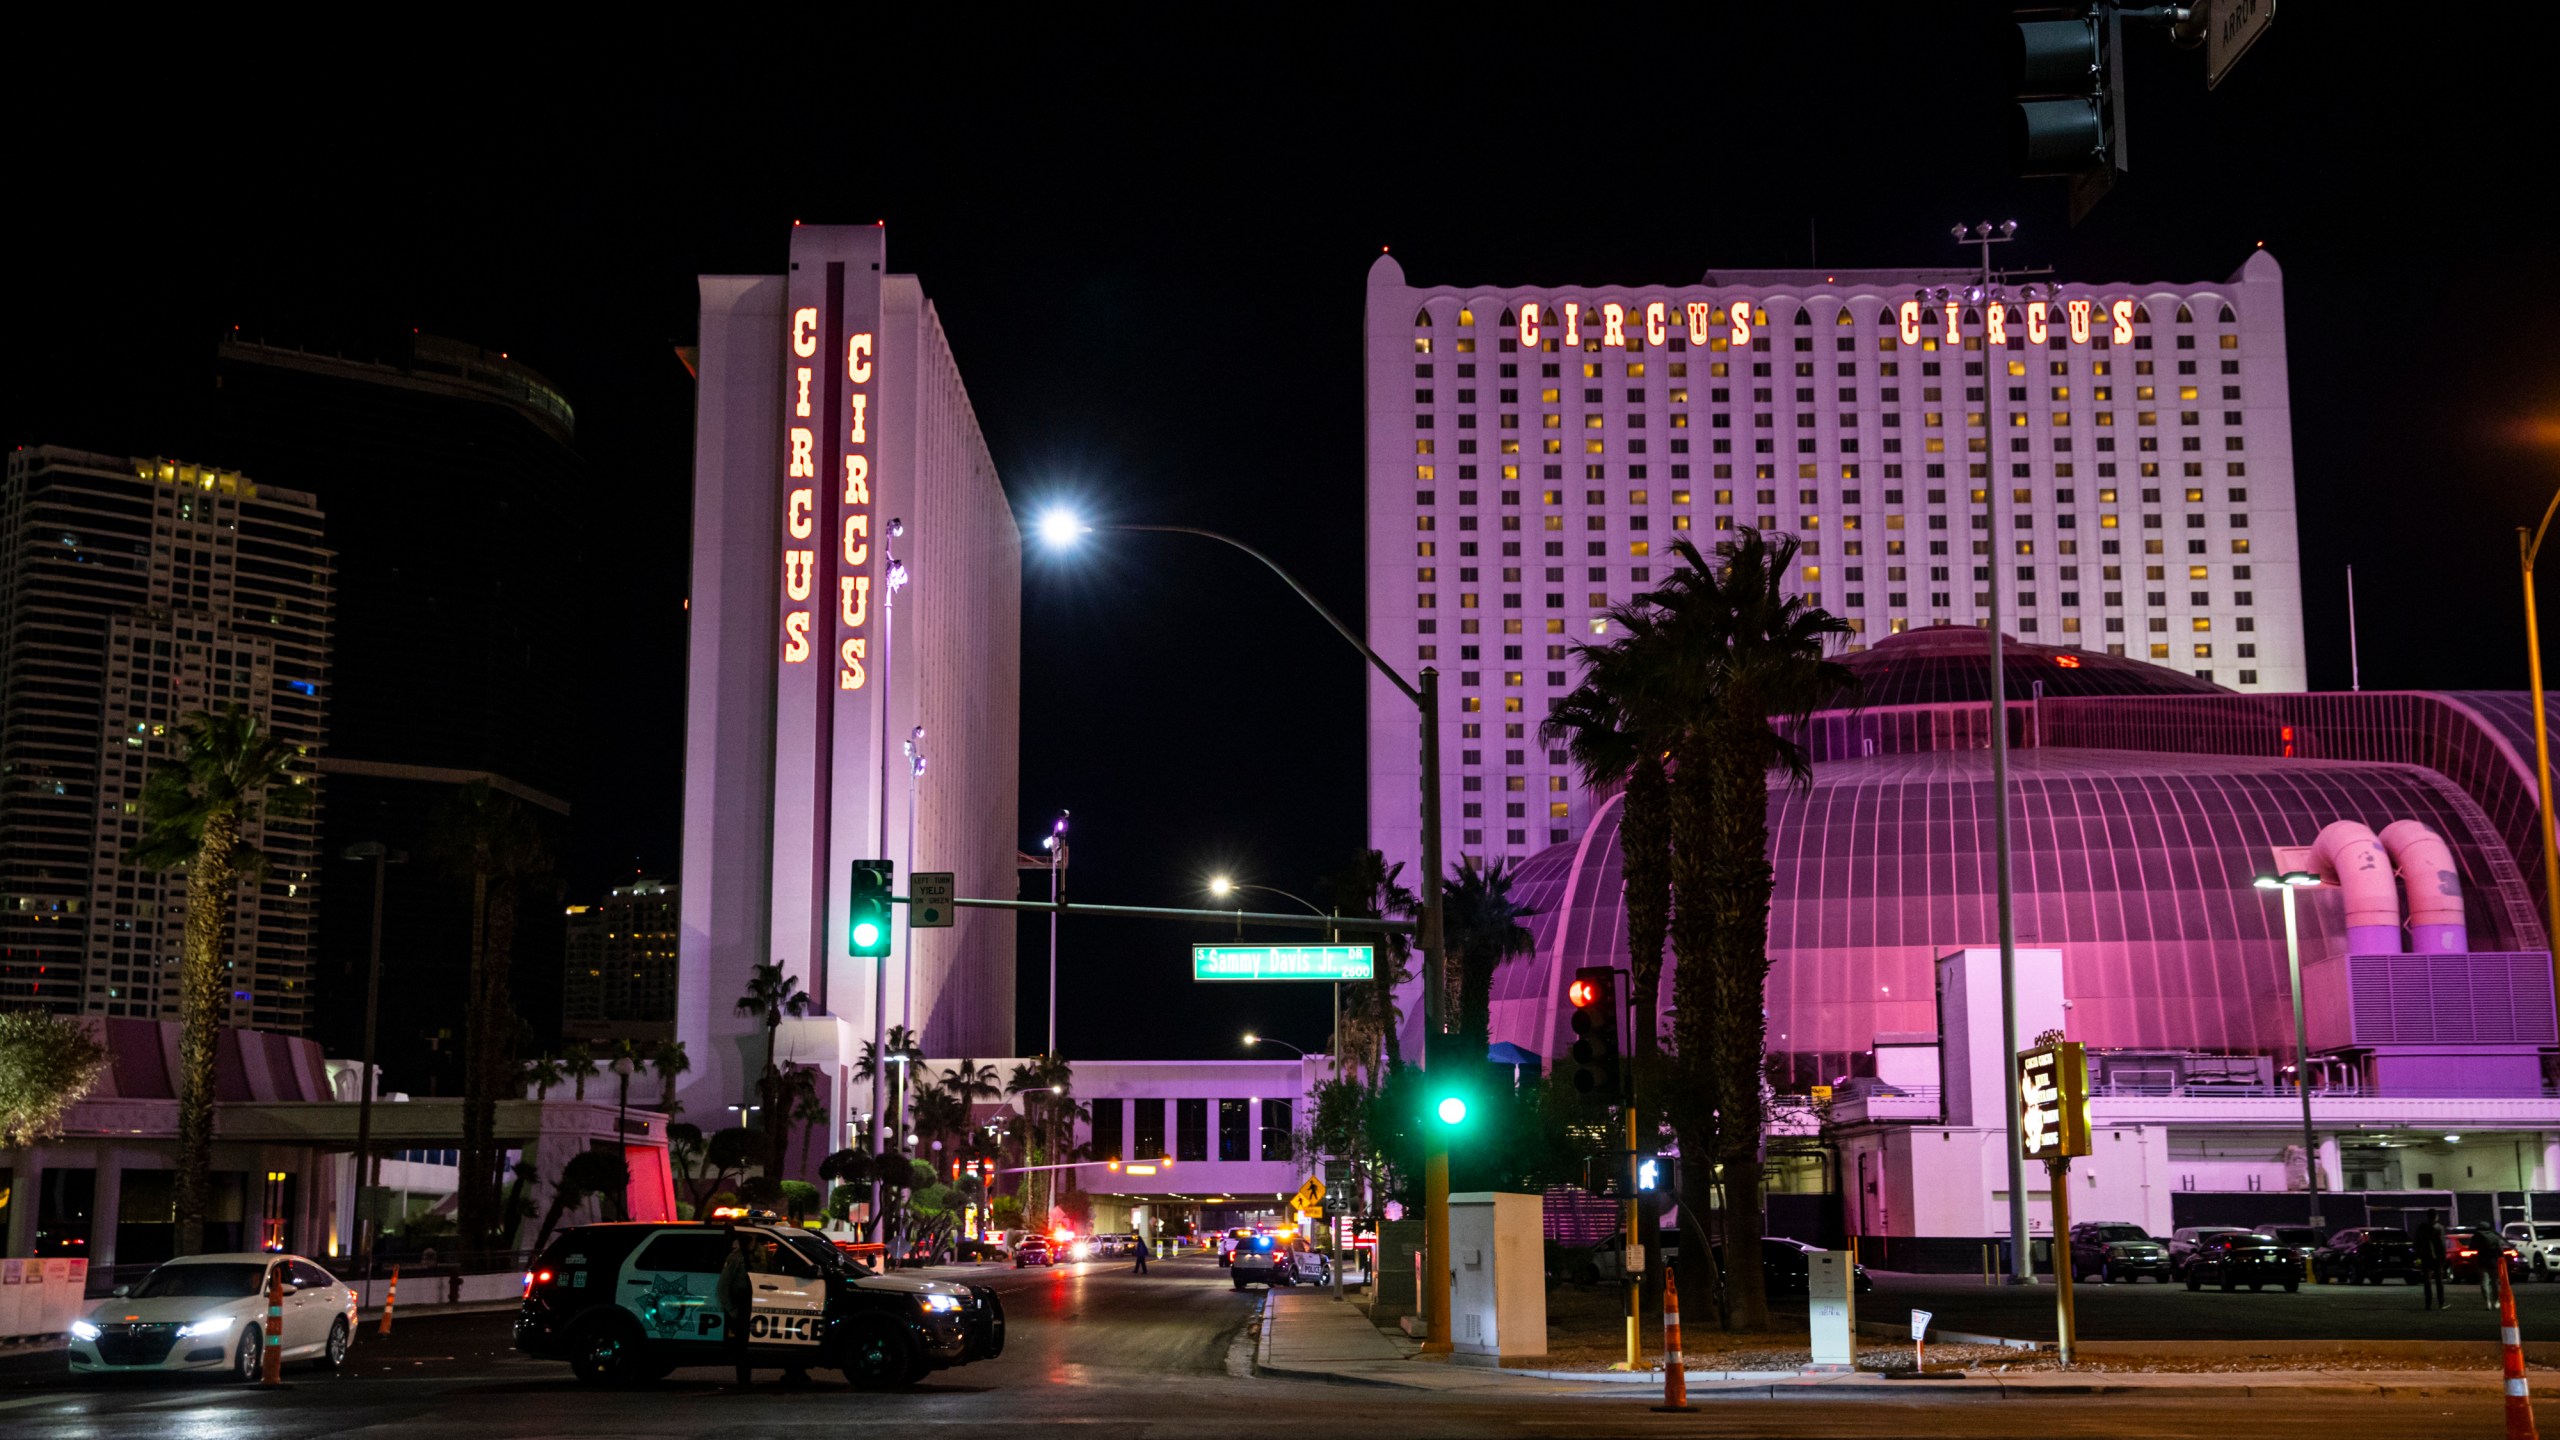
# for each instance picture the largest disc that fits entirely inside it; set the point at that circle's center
(209, 1312)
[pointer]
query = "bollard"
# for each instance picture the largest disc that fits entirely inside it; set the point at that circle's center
(2511, 1341)
(271, 1366)
(1675, 1370)
(390, 1298)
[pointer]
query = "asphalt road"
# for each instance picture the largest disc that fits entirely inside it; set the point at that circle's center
(2169, 1312)
(1093, 1349)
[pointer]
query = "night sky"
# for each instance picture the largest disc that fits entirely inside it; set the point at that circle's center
(1147, 243)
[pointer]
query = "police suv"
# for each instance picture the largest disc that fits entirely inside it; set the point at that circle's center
(626, 1303)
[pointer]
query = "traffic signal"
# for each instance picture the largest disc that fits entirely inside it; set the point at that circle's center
(1594, 993)
(2069, 119)
(867, 910)
(1449, 1100)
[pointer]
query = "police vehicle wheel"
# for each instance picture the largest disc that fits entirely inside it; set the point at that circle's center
(876, 1355)
(2293, 1287)
(610, 1352)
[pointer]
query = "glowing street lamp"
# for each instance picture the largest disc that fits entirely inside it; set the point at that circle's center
(1060, 529)
(1251, 1039)
(2286, 884)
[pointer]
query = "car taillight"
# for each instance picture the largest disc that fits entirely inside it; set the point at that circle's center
(2467, 1254)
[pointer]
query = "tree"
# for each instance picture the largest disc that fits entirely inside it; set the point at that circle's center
(669, 1061)
(1370, 889)
(488, 836)
(545, 1074)
(725, 1156)
(1621, 725)
(772, 994)
(799, 1090)
(684, 1152)
(1484, 929)
(588, 1175)
(230, 774)
(799, 1197)
(578, 1066)
(48, 1063)
(1046, 1087)
(1761, 682)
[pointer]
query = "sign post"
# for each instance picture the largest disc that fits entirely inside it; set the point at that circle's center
(2053, 1126)
(1919, 1340)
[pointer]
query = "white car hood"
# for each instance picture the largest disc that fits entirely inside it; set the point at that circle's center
(179, 1308)
(913, 1285)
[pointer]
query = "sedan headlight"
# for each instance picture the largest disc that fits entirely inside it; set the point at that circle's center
(83, 1330)
(213, 1325)
(939, 1302)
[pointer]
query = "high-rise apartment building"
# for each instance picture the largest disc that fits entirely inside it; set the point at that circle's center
(133, 592)
(2115, 458)
(620, 982)
(454, 491)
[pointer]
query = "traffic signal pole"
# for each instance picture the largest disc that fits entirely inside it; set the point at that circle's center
(1633, 1280)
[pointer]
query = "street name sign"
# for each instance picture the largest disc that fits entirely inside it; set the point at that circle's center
(2053, 1101)
(2231, 27)
(929, 904)
(1284, 962)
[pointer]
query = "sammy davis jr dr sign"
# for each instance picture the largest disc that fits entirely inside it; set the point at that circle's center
(1284, 962)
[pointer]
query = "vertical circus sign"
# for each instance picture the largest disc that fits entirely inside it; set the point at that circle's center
(853, 585)
(800, 523)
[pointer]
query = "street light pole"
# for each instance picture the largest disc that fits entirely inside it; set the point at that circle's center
(2288, 883)
(1056, 845)
(1424, 692)
(368, 1170)
(2022, 1265)
(2530, 547)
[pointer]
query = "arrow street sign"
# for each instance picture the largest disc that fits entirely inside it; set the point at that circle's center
(929, 904)
(2053, 1101)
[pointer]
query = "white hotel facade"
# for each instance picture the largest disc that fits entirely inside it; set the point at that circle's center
(1533, 452)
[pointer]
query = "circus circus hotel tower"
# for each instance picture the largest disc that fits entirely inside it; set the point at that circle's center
(855, 609)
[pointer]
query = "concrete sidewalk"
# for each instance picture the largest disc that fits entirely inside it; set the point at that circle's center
(1306, 1335)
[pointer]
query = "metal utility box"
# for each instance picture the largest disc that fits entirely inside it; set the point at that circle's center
(1497, 1276)
(1831, 1288)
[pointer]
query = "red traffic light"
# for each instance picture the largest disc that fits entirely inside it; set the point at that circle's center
(1581, 993)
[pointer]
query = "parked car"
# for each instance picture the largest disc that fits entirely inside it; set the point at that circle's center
(627, 1302)
(2111, 1250)
(209, 1312)
(2246, 1258)
(2184, 1239)
(967, 1250)
(1785, 1270)
(1033, 1250)
(2469, 1250)
(2302, 1240)
(1601, 1264)
(2366, 1255)
(2539, 1243)
(1275, 1260)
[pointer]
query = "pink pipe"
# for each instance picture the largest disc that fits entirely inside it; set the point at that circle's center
(2348, 856)
(2436, 922)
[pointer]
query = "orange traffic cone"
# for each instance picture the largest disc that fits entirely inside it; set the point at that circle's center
(1675, 1371)
(390, 1298)
(2519, 1402)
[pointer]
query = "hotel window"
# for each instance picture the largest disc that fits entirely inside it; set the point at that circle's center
(1191, 1129)
(1149, 1127)
(1235, 1132)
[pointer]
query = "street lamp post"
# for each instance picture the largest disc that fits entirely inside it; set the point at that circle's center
(1221, 886)
(2286, 884)
(1060, 528)
(368, 1169)
(2530, 547)
(1055, 842)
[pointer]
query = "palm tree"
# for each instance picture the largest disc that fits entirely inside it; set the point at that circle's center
(1621, 726)
(1369, 889)
(229, 776)
(1484, 929)
(487, 835)
(772, 994)
(545, 1074)
(669, 1061)
(1762, 681)
(1046, 1084)
(808, 1109)
(970, 1082)
(578, 1066)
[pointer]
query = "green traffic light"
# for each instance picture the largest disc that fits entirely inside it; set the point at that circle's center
(866, 934)
(1453, 1110)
